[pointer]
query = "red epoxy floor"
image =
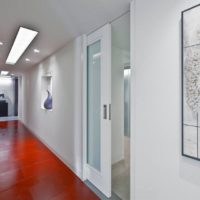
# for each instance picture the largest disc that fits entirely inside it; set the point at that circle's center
(29, 171)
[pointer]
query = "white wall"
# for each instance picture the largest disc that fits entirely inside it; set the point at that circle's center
(159, 171)
(61, 128)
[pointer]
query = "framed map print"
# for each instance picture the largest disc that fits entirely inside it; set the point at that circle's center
(191, 82)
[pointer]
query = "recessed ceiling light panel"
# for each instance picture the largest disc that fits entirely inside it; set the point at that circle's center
(4, 73)
(27, 60)
(22, 41)
(1, 43)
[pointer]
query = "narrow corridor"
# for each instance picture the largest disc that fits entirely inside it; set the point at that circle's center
(29, 171)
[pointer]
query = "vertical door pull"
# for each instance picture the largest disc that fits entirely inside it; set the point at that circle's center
(105, 111)
(109, 111)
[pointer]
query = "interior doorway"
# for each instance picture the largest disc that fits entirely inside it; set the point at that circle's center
(106, 109)
(9, 94)
(121, 73)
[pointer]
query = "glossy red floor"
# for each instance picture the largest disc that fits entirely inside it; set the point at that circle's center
(29, 171)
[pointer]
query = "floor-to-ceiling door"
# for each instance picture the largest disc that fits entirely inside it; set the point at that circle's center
(98, 112)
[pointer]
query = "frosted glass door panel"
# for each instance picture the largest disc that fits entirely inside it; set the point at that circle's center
(94, 105)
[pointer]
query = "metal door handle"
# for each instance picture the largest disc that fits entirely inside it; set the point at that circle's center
(105, 111)
(110, 112)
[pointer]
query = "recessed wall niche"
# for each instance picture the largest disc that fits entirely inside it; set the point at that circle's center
(46, 92)
(191, 82)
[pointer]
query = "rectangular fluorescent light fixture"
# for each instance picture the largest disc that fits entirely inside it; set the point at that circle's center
(22, 41)
(4, 73)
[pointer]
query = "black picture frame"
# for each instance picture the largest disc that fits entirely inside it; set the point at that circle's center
(182, 90)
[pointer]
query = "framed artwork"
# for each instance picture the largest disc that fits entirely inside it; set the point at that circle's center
(191, 82)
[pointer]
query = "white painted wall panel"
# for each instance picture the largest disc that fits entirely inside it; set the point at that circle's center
(60, 128)
(159, 171)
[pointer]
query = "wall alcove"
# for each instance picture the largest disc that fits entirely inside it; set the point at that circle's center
(46, 92)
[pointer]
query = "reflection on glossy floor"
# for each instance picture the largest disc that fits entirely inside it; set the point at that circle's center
(29, 171)
(121, 174)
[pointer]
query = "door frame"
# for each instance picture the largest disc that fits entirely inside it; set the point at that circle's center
(84, 105)
(132, 104)
(133, 93)
(17, 102)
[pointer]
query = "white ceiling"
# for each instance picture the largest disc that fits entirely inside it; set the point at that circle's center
(58, 22)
